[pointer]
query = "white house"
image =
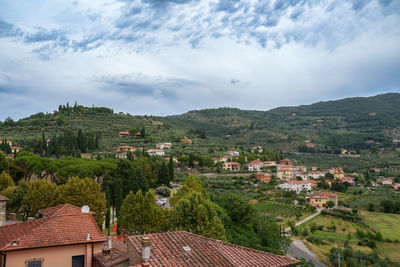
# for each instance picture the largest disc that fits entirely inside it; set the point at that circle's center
(255, 165)
(164, 145)
(156, 152)
(122, 155)
(316, 174)
(225, 158)
(233, 153)
(296, 186)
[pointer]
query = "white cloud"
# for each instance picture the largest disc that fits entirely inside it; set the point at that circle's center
(152, 58)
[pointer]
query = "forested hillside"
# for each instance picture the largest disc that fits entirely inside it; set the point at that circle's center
(368, 123)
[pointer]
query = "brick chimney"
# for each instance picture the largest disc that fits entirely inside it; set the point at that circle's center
(146, 243)
(137, 257)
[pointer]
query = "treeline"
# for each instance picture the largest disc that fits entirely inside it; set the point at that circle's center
(5, 147)
(78, 108)
(67, 144)
(227, 217)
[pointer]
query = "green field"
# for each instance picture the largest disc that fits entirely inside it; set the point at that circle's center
(390, 250)
(278, 209)
(388, 224)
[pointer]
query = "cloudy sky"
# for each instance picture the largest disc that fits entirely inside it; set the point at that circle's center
(169, 56)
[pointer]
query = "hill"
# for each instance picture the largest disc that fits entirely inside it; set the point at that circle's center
(362, 123)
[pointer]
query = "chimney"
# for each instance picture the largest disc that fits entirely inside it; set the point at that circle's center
(146, 243)
(107, 246)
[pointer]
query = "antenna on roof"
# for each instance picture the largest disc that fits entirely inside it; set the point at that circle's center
(85, 209)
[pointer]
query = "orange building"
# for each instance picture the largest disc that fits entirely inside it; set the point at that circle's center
(64, 237)
(320, 199)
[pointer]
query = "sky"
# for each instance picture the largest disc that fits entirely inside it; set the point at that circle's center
(163, 57)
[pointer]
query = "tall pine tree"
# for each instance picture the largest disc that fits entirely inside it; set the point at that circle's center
(171, 169)
(108, 213)
(163, 174)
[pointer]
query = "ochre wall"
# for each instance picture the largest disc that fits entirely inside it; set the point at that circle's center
(60, 256)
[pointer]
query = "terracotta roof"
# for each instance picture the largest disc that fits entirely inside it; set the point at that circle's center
(116, 255)
(3, 198)
(64, 226)
(167, 250)
(125, 147)
(124, 132)
(155, 150)
(255, 162)
(233, 163)
(62, 209)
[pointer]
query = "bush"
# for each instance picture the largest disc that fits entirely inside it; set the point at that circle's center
(316, 240)
(163, 191)
(305, 232)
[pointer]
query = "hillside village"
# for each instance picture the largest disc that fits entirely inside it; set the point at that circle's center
(145, 186)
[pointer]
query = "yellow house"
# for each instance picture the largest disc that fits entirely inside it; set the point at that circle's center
(338, 173)
(284, 174)
(320, 199)
(231, 166)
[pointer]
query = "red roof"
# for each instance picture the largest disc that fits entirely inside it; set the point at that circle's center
(125, 147)
(255, 162)
(124, 133)
(3, 198)
(233, 163)
(64, 226)
(155, 150)
(63, 209)
(167, 249)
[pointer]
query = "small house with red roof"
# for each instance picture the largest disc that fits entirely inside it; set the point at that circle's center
(65, 236)
(255, 165)
(266, 177)
(231, 166)
(156, 152)
(320, 199)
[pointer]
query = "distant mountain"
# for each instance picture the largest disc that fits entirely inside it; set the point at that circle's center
(351, 123)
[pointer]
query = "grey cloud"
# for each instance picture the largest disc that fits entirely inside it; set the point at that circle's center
(147, 86)
(8, 30)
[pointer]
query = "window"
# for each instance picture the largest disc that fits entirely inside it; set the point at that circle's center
(78, 261)
(34, 263)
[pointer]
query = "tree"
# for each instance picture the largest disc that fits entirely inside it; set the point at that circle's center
(119, 196)
(163, 175)
(126, 173)
(313, 228)
(330, 204)
(84, 191)
(40, 194)
(5, 181)
(239, 210)
(191, 185)
(241, 158)
(141, 181)
(108, 213)
(140, 214)
(197, 215)
(191, 161)
(3, 163)
(171, 168)
(143, 133)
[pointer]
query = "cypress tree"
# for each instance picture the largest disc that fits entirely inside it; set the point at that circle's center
(171, 169)
(141, 181)
(163, 174)
(108, 213)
